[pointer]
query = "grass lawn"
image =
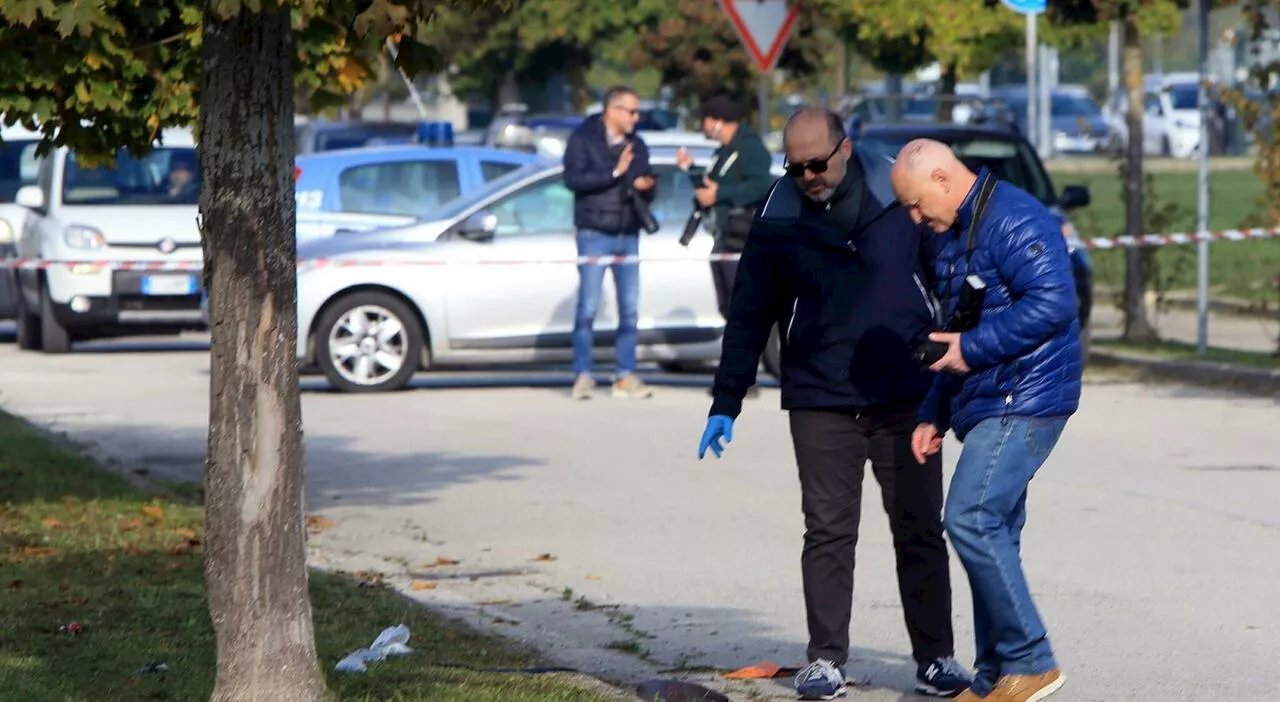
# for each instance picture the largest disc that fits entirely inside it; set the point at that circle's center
(80, 545)
(1179, 351)
(1243, 269)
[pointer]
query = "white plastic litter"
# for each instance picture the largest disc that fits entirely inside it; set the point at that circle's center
(391, 642)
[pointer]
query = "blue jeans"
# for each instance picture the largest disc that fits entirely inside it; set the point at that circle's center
(985, 511)
(626, 279)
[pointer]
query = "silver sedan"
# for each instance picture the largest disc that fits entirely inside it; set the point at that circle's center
(493, 280)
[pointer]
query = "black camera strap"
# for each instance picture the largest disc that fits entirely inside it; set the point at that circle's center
(985, 189)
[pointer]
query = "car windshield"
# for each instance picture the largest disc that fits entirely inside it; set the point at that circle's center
(166, 176)
(458, 205)
(18, 167)
(1060, 105)
(1185, 97)
(1007, 159)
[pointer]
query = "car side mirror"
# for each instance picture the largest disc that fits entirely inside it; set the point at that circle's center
(479, 227)
(1074, 196)
(30, 197)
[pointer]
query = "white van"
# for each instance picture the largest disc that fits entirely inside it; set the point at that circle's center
(118, 247)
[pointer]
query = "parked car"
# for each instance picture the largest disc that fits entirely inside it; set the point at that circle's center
(83, 219)
(1011, 158)
(19, 166)
(1170, 119)
(1076, 123)
(320, 135)
(351, 190)
(474, 286)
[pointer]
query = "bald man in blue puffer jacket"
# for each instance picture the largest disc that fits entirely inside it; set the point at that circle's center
(1007, 387)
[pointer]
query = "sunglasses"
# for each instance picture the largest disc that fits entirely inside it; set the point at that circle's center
(817, 165)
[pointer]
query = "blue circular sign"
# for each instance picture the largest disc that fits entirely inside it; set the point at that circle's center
(1026, 7)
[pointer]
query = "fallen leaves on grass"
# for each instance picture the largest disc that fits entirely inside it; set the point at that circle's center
(422, 585)
(185, 533)
(153, 511)
(130, 525)
(38, 551)
(52, 523)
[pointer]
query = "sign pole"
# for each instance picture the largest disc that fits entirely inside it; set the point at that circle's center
(762, 94)
(1033, 126)
(1202, 214)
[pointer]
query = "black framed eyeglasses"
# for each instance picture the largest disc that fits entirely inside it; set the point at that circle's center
(817, 165)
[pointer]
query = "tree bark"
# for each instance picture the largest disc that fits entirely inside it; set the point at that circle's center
(255, 560)
(1137, 327)
(947, 93)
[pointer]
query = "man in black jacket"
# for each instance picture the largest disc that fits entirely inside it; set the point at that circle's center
(606, 165)
(841, 269)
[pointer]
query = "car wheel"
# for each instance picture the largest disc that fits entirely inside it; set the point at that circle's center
(54, 338)
(369, 342)
(28, 326)
(772, 357)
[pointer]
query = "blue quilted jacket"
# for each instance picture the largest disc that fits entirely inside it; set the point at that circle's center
(1024, 355)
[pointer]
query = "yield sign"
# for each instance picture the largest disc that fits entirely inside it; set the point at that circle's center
(764, 26)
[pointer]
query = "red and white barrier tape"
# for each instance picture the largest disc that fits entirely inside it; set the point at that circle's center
(1181, 239)
(1147, 240)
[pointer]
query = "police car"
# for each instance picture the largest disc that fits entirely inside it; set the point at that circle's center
(354, 190)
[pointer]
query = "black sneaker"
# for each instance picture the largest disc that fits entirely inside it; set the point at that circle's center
(942, 677)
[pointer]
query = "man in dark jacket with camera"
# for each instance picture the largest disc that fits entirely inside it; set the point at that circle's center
(840, 269)
(607, 167)
(733, 186)
(1006, 386)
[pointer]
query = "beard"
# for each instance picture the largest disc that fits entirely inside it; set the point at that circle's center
(824, 195)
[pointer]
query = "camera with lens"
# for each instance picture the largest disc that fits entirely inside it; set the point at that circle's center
(643, 211)
(967, 314)
(698, 214)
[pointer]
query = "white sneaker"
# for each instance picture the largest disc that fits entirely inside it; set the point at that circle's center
(820, 680)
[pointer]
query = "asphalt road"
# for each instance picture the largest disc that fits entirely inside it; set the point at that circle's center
(1152, 542)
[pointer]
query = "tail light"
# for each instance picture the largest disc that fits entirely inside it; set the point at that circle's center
(297, 173)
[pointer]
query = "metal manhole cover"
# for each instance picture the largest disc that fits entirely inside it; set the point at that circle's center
(1255, 468)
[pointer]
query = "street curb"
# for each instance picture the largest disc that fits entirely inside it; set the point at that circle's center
(1252, 381)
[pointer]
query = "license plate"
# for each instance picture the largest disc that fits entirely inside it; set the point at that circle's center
(169, 285)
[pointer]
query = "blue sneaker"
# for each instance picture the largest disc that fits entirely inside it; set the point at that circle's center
(820, 680)
(942, 677)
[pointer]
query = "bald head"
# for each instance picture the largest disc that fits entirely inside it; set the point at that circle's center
(817, 151)
(931, 182)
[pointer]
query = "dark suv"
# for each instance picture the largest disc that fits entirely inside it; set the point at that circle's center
(1009, 157)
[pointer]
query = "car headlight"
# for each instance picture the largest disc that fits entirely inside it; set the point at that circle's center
(82, 237)
(6, 231)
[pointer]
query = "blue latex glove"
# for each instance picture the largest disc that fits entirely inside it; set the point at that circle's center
(718, 426)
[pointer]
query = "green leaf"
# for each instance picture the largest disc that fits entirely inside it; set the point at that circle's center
(26, 12)
(81, 17)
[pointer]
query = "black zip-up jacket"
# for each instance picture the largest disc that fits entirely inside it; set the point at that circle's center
(847, 283)
(600, 200)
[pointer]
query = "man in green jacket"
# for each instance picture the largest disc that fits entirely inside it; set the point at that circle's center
(733, 187)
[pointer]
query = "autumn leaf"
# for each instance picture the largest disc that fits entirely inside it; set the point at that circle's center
(52, 523)
(153, 511)
(441, 561)
(594, 577)
(545, 557)
(37, 551)
(422, 585)
(314, 522)
(185, 533)
(130, 525)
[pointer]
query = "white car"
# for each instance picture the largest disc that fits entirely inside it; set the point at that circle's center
(19, 166)
(1170, 119)
(493, 280)
(91, 229)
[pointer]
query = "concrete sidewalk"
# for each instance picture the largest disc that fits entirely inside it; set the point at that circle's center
(1227, 331)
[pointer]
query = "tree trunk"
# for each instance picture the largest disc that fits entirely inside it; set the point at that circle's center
(1137, 327)
(947, 93)
(255, 561)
